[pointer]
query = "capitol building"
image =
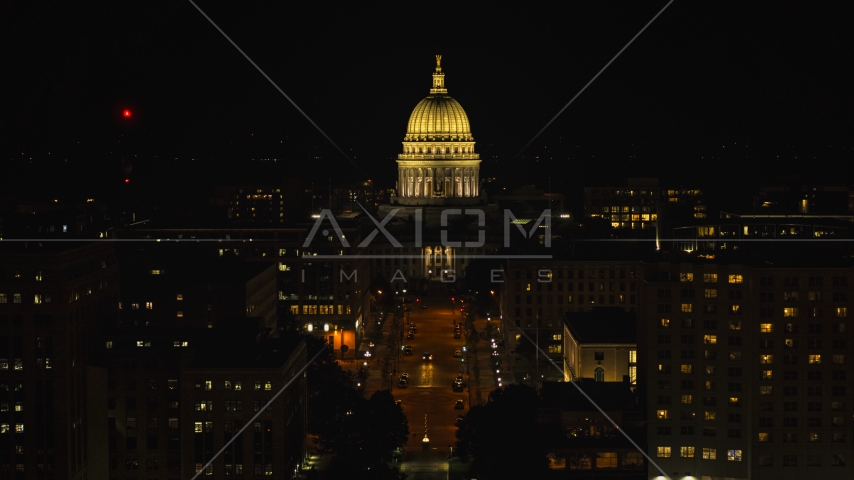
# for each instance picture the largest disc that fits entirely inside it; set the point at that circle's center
(438, 175)
(438, 165)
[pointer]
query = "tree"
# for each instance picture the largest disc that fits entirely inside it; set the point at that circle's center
(363, 433)
(503, 436)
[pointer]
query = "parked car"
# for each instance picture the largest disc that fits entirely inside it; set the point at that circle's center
(427, 356)
(402, 383)
(457, 334)
(404, 375)
(399, 403)
(410, 336)
(459, 421)
(407, 350)
(458, 353)
(459, 405)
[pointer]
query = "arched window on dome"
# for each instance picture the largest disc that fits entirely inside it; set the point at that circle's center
(599, 374)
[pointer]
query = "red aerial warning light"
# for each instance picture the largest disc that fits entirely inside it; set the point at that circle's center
(127, 180)
(417, 300)
(126, 113)
(452, 299)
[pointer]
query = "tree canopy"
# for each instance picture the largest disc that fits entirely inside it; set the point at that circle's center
(502, 437)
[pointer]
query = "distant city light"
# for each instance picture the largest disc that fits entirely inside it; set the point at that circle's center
(127, 180)
(126, 113)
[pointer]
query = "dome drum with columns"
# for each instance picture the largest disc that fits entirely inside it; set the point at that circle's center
(438, 165)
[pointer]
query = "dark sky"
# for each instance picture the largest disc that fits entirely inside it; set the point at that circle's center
(776, 76)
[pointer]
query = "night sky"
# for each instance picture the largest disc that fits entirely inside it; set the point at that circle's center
(710, 91)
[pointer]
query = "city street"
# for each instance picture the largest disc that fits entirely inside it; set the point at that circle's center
(428, 399)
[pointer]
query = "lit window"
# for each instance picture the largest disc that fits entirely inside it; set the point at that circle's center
(257, 385)
(710, 453)
(228, 384)
(237, 386)
(711, 293)
(686, 277)
(197, 428)
(179, 297)
(149, 305)
(764, 390)
(663, 452)
(767, 374)
(841, 311)
(710, 277)
(733, 455)
(764, 437)
(180, 314)
(557, 336)
(765, 327)
(790, 312)
(734, 401)
(710, 416)
(687, 308)
(766, 359)
(687, 368)
(142, 343)
(208, 385)
(687, 399)
(814, 359)
(686, 452)
(4, 428)
(710, 339)
(665, 322)
(663, 414)
(19, 428)
(736, 310)
(109, 344)
(735, 279)
(268, 385)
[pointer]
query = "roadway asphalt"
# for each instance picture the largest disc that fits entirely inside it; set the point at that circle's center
(428, 400)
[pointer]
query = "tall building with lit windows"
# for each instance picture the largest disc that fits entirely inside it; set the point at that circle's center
(536, 295)
(747, 369)
(644, 205)
(223, 390)
(56, 301)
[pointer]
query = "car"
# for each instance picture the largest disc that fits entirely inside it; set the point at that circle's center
(495, 353)
(457, 335)
(399, 403)
(404, 375)
(427, 357)
(458, 353)
(410, 336)
(407, 351)
(372, 345)
(459, 405)
(412, 325)
(367, 353)
(459, 421)
(494, 345)
(402, 383)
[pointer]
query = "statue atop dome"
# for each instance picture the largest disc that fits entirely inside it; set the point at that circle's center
(438, 62)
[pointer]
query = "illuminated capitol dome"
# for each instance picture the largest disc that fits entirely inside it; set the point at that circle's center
(438, 165)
